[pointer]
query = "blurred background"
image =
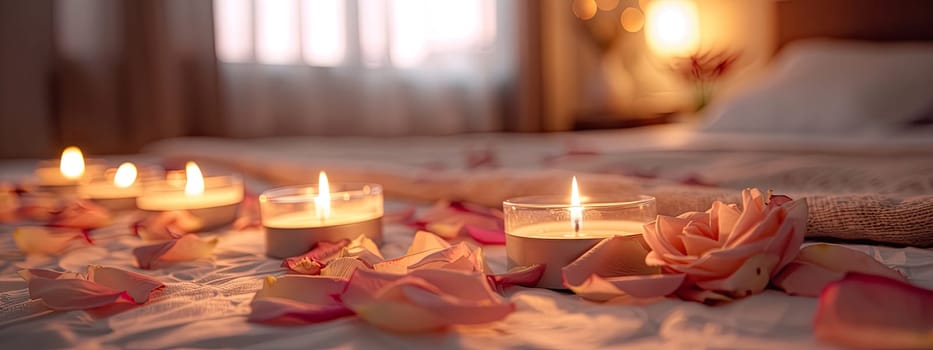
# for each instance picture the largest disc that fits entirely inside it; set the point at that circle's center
(114, 75)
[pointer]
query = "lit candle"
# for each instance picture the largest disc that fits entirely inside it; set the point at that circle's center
(65, 173)
(213, 199)
(547, 230)
(295, 218)
(117, 193)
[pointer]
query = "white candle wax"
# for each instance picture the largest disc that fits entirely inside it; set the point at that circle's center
(556, 245)
(107, 190)
(179, 200)
(295, 233)
(310, 220)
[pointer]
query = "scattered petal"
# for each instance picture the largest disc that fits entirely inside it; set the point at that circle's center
(138, 286)
(819, 264)
(103, 286)
(456, 257)
(399, 216)
(486, 236)
(248, 214)
(839, 258)
(298, 299)
(310, 263)
(167, 225)
(9, 203)
(875, 312)
(38, 206)
(452, 219)
(615, 267)
(364, 249)
(81, 214)
(423, 300)
(751, 278)
(343, 267)
(188, 247)
(799, 278)
(424, 241)
(526, 276)
(47, 240)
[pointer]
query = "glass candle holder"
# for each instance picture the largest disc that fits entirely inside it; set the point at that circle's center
(118, 192)
(543, 229)
(216, 205)
(295, 218)
(50, 178)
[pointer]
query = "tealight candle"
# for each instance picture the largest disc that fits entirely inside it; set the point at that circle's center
(64, 175)
(553, 231)
(295, 218)
(214, 200)
(117, 190)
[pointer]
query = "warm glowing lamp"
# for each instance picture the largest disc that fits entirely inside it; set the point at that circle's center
(672, 27)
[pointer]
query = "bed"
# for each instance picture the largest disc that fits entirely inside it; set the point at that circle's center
(872, 171)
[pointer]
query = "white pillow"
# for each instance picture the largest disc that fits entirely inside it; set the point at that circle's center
(835, 87)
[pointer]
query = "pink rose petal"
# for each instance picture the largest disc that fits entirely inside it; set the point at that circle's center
(450, 219)
(486, 236)
(138, 286)
(167, 225)
(457, 257)
(751, 278)
(363, 249)
(47, 240)
(839, 258)
(343, 267)
(615, 267)
(423, 300)
(399, 216)
(248, 214)
(103, 286)
(819, 264)
(9, 203)
(875, 312)
(424, 241)
(188, 247)
(298, 299)
(799, 278)
(526, 276)
(310, 263)
(81, 214)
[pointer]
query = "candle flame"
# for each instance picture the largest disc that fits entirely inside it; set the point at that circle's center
(194, 180)
(125, 176)
(72, 164)
(322, 200)
(576, 210)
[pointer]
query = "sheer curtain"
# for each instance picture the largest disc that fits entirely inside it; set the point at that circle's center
(364, 67)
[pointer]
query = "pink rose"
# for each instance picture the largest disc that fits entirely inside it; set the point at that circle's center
(727, 250)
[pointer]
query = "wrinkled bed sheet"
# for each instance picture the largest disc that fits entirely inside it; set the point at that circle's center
(206, 302)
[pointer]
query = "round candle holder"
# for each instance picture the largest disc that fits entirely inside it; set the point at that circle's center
(102, 191)
(216, 206)
(539, 229)
(293, 221)
(50, 179)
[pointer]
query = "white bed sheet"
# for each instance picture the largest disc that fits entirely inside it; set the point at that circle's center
(206, 302)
